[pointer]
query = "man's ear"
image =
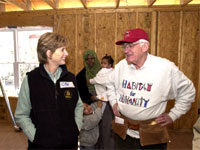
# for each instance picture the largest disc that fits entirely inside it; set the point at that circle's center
(48, 53)
(145, 47)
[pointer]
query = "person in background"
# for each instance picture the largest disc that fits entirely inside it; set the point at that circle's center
(89, 133)
(106, 137)
(138, 91)
(91, 67)
(196, 138)
(49, 109)
(101, 78)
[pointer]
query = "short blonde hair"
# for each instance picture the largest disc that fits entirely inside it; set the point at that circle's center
(49, 41)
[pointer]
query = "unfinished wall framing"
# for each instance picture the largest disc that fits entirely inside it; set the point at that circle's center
(174, 34)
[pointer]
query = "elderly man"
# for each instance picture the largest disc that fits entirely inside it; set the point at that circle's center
(139, 88)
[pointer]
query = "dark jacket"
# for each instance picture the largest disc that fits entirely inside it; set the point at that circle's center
(82, 86)
(53, 109)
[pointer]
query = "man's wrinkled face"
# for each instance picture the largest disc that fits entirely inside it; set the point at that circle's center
(135, 52)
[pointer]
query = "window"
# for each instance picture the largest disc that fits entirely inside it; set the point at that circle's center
(18, 55)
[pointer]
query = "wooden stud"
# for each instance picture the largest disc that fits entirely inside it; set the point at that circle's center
(184, 2)
(28, 5)
(56, 3)
(84, 2)
(180, 46)
(117, 3)
(2, 7)
(153, 35)
(150, 2)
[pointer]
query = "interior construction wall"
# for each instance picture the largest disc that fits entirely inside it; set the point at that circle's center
(174, 34)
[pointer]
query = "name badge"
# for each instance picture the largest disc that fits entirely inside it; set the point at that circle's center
(119, 120)
(67, 85)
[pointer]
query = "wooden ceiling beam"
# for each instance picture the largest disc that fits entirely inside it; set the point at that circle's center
(2, 7)
(53, 4)
(150, 2)
(184, 2)
(3, 1)
(84, 3)
(56, 3)
(21, 5)
(117, 3)
(28, 4)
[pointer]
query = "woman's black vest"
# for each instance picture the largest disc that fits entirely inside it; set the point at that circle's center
(53, 108)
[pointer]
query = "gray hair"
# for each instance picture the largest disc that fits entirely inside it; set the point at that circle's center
(142, 41)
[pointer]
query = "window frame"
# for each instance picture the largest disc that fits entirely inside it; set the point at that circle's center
(16, 63)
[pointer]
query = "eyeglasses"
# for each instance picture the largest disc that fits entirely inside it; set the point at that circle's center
(129, 45)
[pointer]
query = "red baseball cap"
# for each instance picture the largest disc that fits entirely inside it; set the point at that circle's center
(133, 36)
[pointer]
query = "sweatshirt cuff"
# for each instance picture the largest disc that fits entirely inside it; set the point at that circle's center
(172, 116)
(113, 102)
(91, 81)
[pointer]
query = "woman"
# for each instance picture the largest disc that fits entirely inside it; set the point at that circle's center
(49, 109)
(92, 66)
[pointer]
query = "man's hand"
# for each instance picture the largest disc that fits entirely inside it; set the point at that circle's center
(115, 110)
(164, 119)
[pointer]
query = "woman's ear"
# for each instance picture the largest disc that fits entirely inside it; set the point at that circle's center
(48, 53)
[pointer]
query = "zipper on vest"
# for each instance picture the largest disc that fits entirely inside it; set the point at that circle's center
(56, 97)
(56, 92)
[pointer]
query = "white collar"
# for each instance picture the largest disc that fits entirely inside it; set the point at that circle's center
(144, 65)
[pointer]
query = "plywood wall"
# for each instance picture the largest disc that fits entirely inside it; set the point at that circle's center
(4, 112)
(174, 34)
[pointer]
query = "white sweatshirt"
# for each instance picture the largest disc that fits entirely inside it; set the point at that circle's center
(143, 93)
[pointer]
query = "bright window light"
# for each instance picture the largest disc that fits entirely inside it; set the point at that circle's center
(18, 55)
